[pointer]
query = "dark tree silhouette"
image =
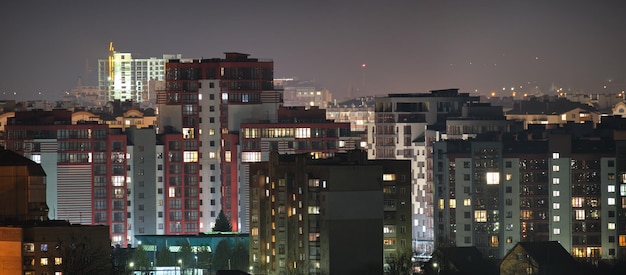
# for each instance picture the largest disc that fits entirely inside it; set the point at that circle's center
(222, 223)
(80, 258)
(186, 255)
(222, 255)
(204, 258)
(140, 259)
(165, 257)
(239, 259)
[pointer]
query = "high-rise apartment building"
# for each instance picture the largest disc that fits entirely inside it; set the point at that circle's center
(85, 164)
(204, 103)
(405, 127)
(297, 130)
(122, 77)
(557, 187)
(340, 215)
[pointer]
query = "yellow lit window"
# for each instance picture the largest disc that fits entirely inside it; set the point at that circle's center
(442, 204)
(580, 214)
(611, 226)
(578, 201)
(509, 177)
(190, 156)
(43, 261)
(227, 156)
(58, 260)
(467, 202)
(493, 241)
(389, 177)
(452, 203)
(527, 214)
(622, 240)
(480, 216)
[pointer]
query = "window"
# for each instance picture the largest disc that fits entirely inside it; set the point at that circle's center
(611, 188)
(556, 205)
(508, 177)
(44, 247)
(580, 214)
(467, 202)
(556, 193)
(611, 201)
(555, 180)
(493, 178)
(452, 203)
(622, 240)
(58, 261)
(555, 168)
(555, 155)
(389, 177)
(467, 227)
(556, 218)
(480, 216)
(578, 202)
(556, 231)
(43, 261)
(508, 164)
(611, 226)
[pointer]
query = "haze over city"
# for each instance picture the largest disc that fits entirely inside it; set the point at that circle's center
(407, 46)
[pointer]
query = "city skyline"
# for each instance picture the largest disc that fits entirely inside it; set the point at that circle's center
(410, 46)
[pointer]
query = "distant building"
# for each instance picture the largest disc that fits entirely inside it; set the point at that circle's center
(327, 216)
(359, 112)
(304, 93)
(547, 111)
(122, 77)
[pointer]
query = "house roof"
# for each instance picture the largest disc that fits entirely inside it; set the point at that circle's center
(11, 158)
(548, 253)
(463, 258)
(556, 107)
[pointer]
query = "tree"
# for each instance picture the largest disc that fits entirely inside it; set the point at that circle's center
(81, 258)
(400, 263)
(204, 257)
(185, 255)
(140, 259)
(222, 223)
(222, 255)
(165, 257)
(240, 257)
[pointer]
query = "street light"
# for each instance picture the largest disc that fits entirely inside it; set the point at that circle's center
(436, 266)
(180, 266)
(132, 269)
(195, 268)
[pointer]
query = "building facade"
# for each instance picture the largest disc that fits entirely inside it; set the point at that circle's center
(315, 214)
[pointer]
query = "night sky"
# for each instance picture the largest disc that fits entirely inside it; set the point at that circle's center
(407, 46)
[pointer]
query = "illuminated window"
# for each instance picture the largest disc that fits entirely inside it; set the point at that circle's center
(58, 261)
(250, 156)
(389, 229)
(611, 201)
(442, 204)
(389, 177)
(556, 218)
(622, 189)
(43, 247)
(622, 240)
(555, 155)
(227, 156)
(555, 180)
(527, 214)
(211, 155)
(480, 216)
(172, 192)
(578, 201)
(29, 247)
(190, 156)
(493, 178)
(556, 193)
(556, 205)
(314, 210)
(117, 180)
(452, 203)
(611, 226)
(36, 158)
(508, 177)
(556, 231)
(303, 132)
(611, 188)
(580, 214)
(43, 261)
(211, 132)
(467, 202)
(555, 168)
(494, 241)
